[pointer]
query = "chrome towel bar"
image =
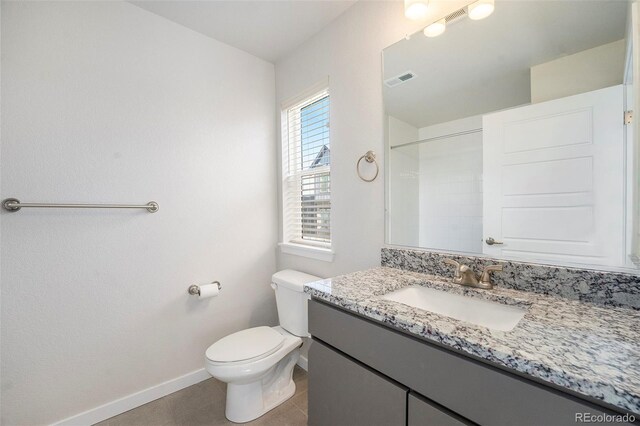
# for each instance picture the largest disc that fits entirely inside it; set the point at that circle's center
(14, 205)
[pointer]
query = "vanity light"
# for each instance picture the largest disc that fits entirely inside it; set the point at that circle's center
(436, 28)
(480, 9)
(416, 9)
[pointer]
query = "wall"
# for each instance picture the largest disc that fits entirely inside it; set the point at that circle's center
(451, 186)
(403, 226)
(597, 68)
(435, 187)
(633, 134)
(349, 52)
(105, 102)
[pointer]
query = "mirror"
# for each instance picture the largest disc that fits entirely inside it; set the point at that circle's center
(505, 136)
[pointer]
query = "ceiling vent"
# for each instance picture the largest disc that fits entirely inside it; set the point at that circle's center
(399, 79)
(455, 16)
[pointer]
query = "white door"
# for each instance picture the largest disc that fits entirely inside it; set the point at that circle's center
(553, 180)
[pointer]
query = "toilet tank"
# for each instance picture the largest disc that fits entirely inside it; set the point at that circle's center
(292, 300)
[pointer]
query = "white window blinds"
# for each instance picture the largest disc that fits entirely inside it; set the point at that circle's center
(306, 171)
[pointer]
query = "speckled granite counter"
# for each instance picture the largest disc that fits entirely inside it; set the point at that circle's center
(590, 349)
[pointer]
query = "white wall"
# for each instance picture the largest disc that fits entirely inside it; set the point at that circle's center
(400, 132)
(451, 186)
(105, 102)
(633, 131)
(467, 124)
(349, 52)
(582, 72)
(435, 187)
(403, 226)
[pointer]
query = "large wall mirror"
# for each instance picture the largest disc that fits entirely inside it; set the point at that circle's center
(506, 136)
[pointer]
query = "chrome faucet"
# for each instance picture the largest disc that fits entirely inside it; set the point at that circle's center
(464, 275)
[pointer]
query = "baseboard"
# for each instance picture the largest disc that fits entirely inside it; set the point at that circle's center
(134, 400)
(303, 363)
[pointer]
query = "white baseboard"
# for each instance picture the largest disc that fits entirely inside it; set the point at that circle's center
(134, 400)
(303, 363)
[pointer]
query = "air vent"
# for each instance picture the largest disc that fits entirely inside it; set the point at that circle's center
(456, 16)
(399, 79)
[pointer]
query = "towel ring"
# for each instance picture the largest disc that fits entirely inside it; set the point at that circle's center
(370, 157)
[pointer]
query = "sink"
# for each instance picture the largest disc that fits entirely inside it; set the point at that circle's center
(485, 313)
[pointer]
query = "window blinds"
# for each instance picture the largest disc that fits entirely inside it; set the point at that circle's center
(306, 171)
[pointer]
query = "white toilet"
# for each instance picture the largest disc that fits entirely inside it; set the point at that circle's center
(257, 363)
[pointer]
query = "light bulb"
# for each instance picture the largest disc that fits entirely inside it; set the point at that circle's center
(480, 9)
(436, 28)
(416, 9)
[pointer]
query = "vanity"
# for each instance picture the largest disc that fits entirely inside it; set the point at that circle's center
(375, 361)
(509, 290)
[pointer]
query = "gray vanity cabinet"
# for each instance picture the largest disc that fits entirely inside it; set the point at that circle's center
(351, 355)
(421, 412)
(346, 393)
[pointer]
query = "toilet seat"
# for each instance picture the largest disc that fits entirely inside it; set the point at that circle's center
(245, 346)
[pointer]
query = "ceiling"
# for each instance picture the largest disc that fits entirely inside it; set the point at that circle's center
(477, 67)
(268, 29)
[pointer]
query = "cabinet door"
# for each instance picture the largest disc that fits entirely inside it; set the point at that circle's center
(423, 412)
(344, 392)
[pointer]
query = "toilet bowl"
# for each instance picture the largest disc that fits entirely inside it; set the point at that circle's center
(257, 363)
(261, 381)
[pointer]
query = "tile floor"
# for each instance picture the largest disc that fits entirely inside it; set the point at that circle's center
(203, 404)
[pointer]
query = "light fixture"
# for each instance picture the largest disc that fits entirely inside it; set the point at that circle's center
(416, 9)
(436, 28)
(480, 9)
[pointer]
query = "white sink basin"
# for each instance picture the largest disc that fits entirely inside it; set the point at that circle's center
(481, 312)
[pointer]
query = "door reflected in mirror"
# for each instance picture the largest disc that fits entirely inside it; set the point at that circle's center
(506, 137)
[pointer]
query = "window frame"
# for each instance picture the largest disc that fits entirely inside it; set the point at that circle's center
(298, 246)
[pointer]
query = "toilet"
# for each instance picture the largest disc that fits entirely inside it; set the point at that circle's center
(257, 363)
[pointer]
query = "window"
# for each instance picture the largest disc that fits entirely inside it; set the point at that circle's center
(306, 173)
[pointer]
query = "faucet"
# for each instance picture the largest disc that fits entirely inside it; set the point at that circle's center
(464, 275)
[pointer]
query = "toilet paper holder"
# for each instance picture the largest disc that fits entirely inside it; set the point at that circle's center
(195, 289)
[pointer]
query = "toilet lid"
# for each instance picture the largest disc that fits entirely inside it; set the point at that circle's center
(246, 344)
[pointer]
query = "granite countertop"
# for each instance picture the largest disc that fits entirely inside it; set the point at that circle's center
(590, 349)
